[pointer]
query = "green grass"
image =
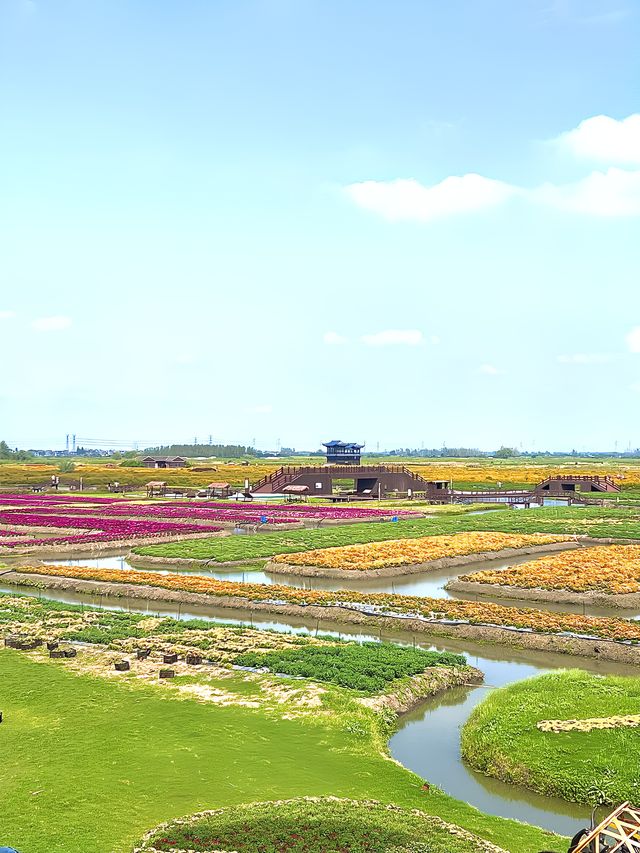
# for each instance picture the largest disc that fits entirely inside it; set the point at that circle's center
(501, 739)
(594, 521)
(313, 827)
(368, 667)
(88, 765)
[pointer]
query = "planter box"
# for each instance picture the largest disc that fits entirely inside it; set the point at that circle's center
(121, 665)
(70, 653)
(143, 654)
(57, 653)
(171, 657)
(52, 644)
(167, 673)
(193, 659)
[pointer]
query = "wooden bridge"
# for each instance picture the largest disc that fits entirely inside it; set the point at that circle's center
(394, 480)
(369, 480)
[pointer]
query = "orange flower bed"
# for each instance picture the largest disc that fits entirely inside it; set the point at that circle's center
(612, 569)
(404, 552)
(432, 609)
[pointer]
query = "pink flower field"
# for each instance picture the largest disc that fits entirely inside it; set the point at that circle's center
(79, 520)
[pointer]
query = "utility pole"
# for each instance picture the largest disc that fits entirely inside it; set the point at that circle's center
(66, 446)
(73, 443)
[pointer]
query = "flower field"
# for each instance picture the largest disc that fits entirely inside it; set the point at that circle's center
(99, 520)
(74, 521)
(403, 552)
(248, 513)
(612, 569)
(374, 604)
(461, 471)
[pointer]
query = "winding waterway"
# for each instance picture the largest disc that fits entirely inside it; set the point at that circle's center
(428, 739)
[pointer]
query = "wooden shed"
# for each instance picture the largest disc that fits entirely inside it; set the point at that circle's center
(296, 493)
(219, 490)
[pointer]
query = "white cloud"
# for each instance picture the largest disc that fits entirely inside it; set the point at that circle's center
(7, 315)
(489, 370)
(333, 339)
(635, 387)
(434, 340)
(408, 199)
(633, 340)
(604, 139)
(394, 337)
(264, 409)
(586, 358)
(51, 324)
(615, 192)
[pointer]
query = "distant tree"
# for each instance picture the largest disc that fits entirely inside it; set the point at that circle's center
(66, 466)
(506, 453)
(16, 455)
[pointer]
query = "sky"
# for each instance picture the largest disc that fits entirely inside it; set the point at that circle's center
(407, 223)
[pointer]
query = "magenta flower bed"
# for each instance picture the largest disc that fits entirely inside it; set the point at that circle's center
(120, 519)
(250, 513)
(101, 529)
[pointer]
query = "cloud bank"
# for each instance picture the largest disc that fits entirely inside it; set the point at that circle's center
(409, 199)
(609, 192)
(604, 139)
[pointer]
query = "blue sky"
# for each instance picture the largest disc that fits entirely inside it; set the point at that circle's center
(401, 223)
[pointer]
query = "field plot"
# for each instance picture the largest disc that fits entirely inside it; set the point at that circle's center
(594, 761)
(28, 522)
(310, 825)
(407, 552)
(613, 569)
(446, 611)
(595, 522)
(131, 746)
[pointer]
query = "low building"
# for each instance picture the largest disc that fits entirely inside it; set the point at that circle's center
(164, 462)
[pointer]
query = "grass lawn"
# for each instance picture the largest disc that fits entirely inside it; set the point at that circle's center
(89, 764)
(501, 739)
(592, 521)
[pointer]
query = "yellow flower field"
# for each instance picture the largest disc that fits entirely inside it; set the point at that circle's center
(612, 569)
(404, 552)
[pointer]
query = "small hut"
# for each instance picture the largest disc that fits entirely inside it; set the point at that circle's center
(296, 493)
(156, 488)
(218, 490)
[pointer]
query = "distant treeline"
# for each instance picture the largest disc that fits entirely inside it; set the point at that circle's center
(459, 452)
(223, 451)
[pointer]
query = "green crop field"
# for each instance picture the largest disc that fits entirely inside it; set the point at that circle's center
(89, 764)
(622, 522)
(599, 766)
